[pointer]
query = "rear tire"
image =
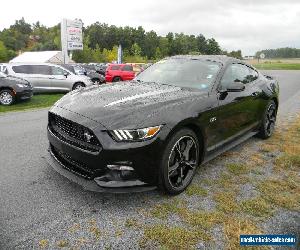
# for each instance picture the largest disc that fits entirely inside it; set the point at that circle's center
(117, 79)
(96, 81)
(7, 97)
(78, 85)
(269, 120)
(179, 162)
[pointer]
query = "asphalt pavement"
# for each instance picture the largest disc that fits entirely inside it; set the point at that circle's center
(37, 203)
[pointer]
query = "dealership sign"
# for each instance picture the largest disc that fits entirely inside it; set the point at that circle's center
(74, 35)
(71, 37)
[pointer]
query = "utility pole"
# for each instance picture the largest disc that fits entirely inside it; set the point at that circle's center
(64, 44)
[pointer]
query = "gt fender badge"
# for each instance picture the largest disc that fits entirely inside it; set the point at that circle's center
(213, 119)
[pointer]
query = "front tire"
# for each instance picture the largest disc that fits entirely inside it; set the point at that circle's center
(179, 161)
(78, 85)
(117, 79)
(7, 97)
(268, 122)
(96, 81)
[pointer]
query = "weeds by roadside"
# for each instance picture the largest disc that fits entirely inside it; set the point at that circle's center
(277, 187)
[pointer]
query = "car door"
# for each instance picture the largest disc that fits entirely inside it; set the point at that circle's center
(237, 111)
(127, 72)
(60, 79)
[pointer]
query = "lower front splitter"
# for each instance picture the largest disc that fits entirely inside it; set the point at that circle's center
(93, 185)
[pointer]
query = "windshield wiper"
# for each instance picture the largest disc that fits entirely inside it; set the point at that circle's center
(160, 83)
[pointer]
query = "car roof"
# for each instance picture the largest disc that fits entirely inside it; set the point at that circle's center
(223, 59)
(10, 65)
(32, 63)
(118, 64)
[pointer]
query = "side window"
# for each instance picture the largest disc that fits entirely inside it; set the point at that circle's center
(127, 68)
(39, 69)
(253, 75)
(57, 71)
(115, 67)
(238, 73)
(32, 69)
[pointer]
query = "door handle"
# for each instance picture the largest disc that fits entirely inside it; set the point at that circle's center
(255, 94)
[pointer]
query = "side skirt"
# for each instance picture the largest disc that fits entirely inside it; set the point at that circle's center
(214, 153)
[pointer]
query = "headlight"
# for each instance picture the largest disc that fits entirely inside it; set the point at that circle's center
(20, 85)
(135, 134)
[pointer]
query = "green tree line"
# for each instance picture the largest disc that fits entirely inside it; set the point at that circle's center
(101, 41)
(279, 53)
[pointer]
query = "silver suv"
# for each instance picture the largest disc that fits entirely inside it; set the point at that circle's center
(46, 77)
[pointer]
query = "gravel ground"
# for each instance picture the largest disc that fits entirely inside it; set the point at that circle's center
(41, 209)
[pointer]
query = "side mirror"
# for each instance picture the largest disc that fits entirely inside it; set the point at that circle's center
(66, 74)
(235, 87)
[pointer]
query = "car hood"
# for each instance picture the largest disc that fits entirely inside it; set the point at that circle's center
(125, 105)
(16, 79)
(11, 81)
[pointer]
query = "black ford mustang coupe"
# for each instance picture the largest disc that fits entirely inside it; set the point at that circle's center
(154, 131)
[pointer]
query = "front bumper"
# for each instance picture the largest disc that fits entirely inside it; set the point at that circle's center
(24, 94)
(108, 78)
(94, 185)
(97, 170)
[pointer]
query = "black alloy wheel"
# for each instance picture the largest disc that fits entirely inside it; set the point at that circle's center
(269, 121)
(179, 162)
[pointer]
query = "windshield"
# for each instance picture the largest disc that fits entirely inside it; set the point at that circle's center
(190, 73)
(79, 70)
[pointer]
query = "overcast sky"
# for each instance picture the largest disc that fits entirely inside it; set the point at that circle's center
(249, 25)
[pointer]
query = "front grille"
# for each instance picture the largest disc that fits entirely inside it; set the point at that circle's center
(73, 133)
(72, 165)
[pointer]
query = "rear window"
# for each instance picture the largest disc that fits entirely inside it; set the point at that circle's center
(115, 67)
(89, 67)
(20, 69)
(127, 68)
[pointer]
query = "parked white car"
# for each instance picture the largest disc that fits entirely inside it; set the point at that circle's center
(46, 77)
(2, 67)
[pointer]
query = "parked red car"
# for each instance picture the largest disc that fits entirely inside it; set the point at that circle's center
(119, 72)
